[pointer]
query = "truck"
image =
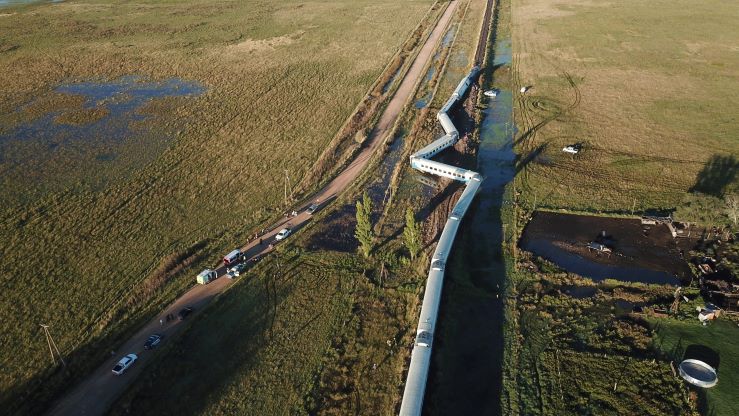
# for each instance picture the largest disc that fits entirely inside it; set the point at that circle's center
(206, 276)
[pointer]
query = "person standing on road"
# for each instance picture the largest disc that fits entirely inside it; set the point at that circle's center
(161, 322)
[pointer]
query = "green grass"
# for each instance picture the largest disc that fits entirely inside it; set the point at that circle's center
(673, 337)
(646, 86)
(310, 335)
(258, 349)
(584, 356)
(353, 353)
(72, 253)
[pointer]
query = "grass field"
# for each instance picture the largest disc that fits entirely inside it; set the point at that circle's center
(352, 330)
(573, 353)
(674, 338)
(91, 258)
(650, 90)
(307, 332)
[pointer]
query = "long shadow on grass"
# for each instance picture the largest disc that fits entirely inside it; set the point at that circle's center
(338, 232)
(206, 359)
(717, 175)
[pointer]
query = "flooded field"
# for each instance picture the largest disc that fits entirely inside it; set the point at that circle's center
(640, 253)
(467, 363)
(87, 132)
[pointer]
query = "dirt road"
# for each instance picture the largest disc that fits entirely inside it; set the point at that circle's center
(96, 394)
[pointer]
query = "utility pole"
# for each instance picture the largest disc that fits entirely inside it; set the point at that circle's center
(287, 185)
(50, 341)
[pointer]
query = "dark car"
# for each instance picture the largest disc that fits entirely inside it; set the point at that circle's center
(184, 313)
(313, 208)
(153, 341)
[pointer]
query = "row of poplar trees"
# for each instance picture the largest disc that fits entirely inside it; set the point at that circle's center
(366, 235)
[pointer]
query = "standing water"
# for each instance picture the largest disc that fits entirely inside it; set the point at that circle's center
(466, 367)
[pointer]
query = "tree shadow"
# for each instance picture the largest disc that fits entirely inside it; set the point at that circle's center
(338, 232)
(716, 175)
(531, 156)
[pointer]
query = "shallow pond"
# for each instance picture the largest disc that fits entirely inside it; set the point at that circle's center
(580, 292)
(9, 3)
(91, 130)
(587, 267)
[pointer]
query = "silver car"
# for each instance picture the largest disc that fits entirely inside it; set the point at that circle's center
(124, 363)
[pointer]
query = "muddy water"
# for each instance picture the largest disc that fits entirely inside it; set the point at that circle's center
(466, 366)
(586, 267)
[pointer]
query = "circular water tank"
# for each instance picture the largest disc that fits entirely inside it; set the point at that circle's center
(698, 373)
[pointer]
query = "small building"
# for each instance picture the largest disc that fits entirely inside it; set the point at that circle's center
(206, 276)
(706, 315)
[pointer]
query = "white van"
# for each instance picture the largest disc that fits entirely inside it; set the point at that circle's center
(232, 257)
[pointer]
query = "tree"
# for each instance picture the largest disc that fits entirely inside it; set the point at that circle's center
(364, 232)
(701, 209)
(732, 207)
(412, 234)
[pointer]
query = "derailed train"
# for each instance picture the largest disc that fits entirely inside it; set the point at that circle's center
(415, 385)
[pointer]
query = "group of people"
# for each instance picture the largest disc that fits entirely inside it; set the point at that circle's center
(169, 317)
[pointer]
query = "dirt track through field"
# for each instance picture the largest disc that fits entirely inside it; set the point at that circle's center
(98, 392)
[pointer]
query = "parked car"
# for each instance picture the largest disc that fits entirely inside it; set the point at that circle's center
(236, 270)
(313, 208)
(283, 234)
(184, 313)
(232, 257)
(124, 363)
(153, 341)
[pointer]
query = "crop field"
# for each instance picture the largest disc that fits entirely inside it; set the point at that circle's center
(650, 90)
(100, 229)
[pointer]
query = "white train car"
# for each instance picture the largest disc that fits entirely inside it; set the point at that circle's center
(447, 125)
(415, 385)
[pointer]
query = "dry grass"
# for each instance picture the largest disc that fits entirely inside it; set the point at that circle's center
(73, 248)
(649, 88)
